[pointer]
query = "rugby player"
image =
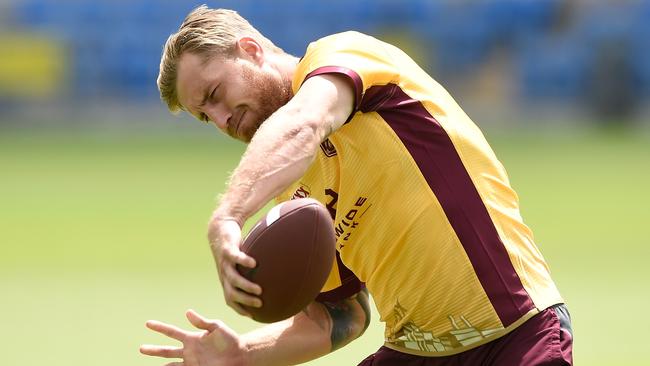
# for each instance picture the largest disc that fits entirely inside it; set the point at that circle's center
(425, 216)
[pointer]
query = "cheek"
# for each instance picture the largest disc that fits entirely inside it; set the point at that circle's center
(248, 98)
(253, 102)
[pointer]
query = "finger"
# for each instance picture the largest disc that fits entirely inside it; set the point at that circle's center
(167, 329)
(162, 351)
(244, 259)
(200, 322)
(175, 364)
(235, 279)
(234, 294)
(246, 299)
(235, 255)
(239, 308)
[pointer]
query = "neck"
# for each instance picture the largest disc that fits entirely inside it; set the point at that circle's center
(286, 65)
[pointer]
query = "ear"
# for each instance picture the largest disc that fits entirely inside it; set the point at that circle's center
(250, 48)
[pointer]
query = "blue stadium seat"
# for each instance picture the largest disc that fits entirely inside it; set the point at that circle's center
(461, 37)
(517, 20)
(116, 44)
(640, 58)
(553, 69)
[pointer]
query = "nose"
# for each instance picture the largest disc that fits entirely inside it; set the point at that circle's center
(219, 114)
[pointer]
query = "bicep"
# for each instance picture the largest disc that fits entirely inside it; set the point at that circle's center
(328, 99)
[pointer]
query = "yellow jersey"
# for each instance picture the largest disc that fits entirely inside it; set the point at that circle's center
(424, 213)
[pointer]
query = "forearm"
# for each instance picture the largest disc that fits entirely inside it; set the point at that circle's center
(279, 154)
(285, 145)
(296, 340)
(318, 330)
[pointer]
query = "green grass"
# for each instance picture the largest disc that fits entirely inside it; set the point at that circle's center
(99, 234)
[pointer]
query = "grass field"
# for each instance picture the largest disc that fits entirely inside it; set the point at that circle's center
(100, 233)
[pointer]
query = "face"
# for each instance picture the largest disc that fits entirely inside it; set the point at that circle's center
(236, 94)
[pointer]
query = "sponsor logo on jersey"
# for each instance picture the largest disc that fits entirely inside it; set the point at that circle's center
(328, 148)
(346, 225)
(302, 192)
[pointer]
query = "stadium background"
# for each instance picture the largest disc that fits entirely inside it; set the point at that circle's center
(104, 196)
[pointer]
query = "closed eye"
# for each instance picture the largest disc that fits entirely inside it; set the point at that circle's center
(214, 93)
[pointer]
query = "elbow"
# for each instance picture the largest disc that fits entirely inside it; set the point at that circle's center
(309, 134)
(307, 126)
(360, 312)
(366, 321)
(306, 134)
(359, 324)
(349, 318)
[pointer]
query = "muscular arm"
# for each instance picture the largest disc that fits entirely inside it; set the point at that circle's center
(279, 154)
(320, 329)
(285, 145)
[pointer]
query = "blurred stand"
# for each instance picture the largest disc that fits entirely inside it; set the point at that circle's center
(508, 62)
(613, 95)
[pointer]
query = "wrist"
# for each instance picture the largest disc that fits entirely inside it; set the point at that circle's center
(223, 218)
(226, 214)
(223, 230)
(248, 357)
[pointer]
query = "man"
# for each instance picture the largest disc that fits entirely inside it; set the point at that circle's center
(425, 217)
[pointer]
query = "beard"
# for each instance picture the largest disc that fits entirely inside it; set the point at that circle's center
(269, 92)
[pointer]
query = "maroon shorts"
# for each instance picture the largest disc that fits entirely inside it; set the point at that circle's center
(545, 339)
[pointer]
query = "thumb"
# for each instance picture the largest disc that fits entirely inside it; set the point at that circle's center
(200, 322)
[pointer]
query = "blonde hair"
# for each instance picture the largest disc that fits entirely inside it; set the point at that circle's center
(205, 32)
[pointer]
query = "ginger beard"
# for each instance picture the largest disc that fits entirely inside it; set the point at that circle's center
(269, 92)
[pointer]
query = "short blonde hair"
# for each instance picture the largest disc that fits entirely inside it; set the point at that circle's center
(205, 32)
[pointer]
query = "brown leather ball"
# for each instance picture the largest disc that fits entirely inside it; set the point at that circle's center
(294, 247)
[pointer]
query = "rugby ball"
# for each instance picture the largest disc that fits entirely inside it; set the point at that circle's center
(294, 246)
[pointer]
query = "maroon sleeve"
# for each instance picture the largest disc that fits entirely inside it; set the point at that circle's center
(351, 75)
(350, 285)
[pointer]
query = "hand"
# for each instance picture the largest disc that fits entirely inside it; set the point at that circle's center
(225, 237)
(215, 345)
